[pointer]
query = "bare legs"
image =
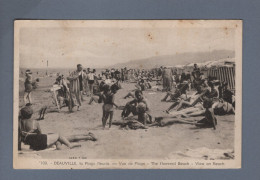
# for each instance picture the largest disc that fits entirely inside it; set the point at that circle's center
(82, 137)
(91, 86)
(59, 140)
(172, 106)
(42, 112)
(109, 114)
(186, 103)
(27, 96)
(189, 112)
(166, 96)
(65, 141)
(95, 99)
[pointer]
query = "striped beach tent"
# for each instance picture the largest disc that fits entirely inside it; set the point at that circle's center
(224, 73)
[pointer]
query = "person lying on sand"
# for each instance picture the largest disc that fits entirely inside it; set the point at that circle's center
(209, 120)
(222, 108)
(210, 92)
(180, 90)
(166, 121)
(31, 134)
(190, 102)
(130, 124)
(226, 94)
(138, 106)
(188, 112)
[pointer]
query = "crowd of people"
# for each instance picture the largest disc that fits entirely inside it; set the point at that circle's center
(191, 94)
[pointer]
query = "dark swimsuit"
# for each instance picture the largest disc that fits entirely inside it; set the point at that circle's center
(28, 85)
(35, 139)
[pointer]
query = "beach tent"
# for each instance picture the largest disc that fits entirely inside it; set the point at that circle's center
(224, 70)
(224, 73)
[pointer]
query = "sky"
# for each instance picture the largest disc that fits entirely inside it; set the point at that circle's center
(98, 47)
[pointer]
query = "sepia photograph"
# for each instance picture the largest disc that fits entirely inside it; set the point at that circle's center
(127, 94)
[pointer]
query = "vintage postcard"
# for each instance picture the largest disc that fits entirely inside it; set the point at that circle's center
(127, 94)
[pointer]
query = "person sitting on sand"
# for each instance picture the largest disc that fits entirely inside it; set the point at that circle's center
(227, 95)
(223, 108)
(209, 120)
(141, 84)
(108, 97)
(31, 134)
(132, 92)
(138, 106)
(209, 102)
(199, 80)
(147, 84)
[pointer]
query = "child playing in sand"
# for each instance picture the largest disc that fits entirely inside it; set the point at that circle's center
(108, 97)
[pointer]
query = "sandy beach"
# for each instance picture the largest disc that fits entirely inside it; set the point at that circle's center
(174, 141)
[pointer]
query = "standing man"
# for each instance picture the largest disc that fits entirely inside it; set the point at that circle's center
(76, 87)
(196, 70)
(167, 79)
(91, 80)
(117, 75)
(28, 87)
(125, 74)
(85, 82)
(113, 73)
